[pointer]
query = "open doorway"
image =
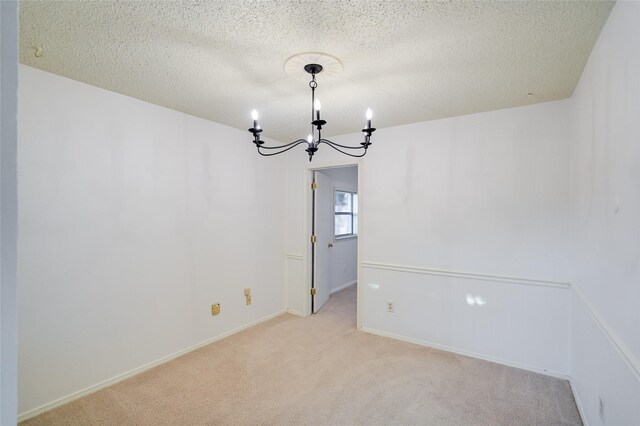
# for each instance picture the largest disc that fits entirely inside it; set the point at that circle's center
(334, 234)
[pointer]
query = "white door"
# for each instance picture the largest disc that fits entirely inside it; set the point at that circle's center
(323, 230)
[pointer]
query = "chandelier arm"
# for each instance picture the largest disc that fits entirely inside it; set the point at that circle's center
(331, 143)
(346, 153)
(290, 146)
(316, 128)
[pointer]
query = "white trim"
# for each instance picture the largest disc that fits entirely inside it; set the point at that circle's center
(527, 367)
(576, 397)
(294, 312)
(120, 377)
(621, 348)
(362, 220)
(346, 237)
(287, 278)
(306, 257)
(343, 286)
(467, 275)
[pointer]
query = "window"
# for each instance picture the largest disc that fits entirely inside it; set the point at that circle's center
(346, 214)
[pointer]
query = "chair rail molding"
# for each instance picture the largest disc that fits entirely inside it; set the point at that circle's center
(467, 275)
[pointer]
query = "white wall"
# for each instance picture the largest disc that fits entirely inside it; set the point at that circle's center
(133, 220)
(475, 205)
(605, 164)
(344, 254)
(8, 224)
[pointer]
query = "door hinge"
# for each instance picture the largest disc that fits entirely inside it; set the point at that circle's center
(314, 239)
(313, 291)
(314, 185)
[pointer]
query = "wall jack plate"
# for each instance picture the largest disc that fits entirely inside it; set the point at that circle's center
(215, 309)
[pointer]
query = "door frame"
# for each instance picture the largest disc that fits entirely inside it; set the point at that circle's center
(307, 231)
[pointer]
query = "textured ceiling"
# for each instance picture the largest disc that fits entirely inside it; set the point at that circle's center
(408, 60)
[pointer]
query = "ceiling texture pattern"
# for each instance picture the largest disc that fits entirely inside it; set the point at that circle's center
(409, 61)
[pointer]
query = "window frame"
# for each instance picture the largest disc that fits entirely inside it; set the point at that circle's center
(350, 213)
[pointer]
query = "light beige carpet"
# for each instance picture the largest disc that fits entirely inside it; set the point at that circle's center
(322, 371)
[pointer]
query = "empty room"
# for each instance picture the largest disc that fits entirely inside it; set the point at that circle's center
(320, 212)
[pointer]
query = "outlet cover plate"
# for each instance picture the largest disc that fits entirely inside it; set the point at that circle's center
(215, 309)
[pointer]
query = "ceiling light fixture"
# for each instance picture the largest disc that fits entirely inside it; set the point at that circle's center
(315, 137)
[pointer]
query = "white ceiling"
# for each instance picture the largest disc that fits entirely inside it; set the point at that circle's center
(408, 60)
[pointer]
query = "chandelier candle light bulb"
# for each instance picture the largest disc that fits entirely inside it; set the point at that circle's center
(315, 138)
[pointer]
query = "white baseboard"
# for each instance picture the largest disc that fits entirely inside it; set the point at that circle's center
(342, 287)
(521, 366)
(294, 312)
(66, 399)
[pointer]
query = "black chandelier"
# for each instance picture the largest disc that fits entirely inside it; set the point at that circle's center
(315, 137)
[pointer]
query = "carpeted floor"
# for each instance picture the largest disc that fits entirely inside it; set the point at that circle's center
(322, 371)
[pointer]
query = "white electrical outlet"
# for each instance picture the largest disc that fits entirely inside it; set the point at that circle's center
(389, 306)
